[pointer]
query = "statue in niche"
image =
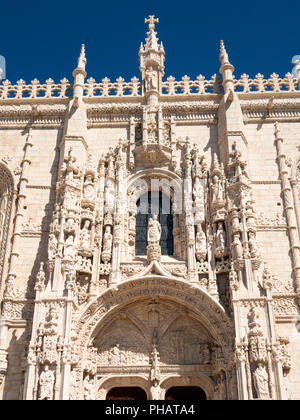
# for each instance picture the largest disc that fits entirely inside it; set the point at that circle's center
(69, 249)
(154, 230)
(237, 248)
(217, 189)
(52, 250)
(51, 324)
(220, 236)
(46, 384)
(88, 188)
(69, 165)
(131, 222)
(151, 82)
(85, 236)
(109, 199)
(201, 246)
(253, 245)
(261, 382)
(107, 244)
(198, 190)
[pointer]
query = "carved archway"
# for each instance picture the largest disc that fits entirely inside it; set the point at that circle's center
(6, 204)
(114, 308)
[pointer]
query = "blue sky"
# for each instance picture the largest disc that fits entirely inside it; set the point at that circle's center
(42, 39)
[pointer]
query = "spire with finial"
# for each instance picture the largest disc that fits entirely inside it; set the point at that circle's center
(82, 58)
(152, 57)
(226, 70)
(79, 75)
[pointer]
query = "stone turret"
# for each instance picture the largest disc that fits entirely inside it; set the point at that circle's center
(152, 57)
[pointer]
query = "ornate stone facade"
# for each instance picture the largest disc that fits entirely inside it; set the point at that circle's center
(213, 300)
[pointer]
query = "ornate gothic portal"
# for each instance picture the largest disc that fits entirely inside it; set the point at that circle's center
(149, 236)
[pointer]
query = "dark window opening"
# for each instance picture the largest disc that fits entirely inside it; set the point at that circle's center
(154, 202)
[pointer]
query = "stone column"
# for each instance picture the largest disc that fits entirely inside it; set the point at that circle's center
(288, 208)
(20, 210)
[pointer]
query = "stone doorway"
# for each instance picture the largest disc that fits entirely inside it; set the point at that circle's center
(185, 393)
(134, 393)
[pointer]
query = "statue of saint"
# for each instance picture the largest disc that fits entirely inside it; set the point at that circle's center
(217, 189)
(151, 79)
(261, 382)
(46, 383)
(154, 230)
(253, 245)
(85, 235)
(52, 246)
(200, 244)
(88, 188)
(107, 240)
(237, 246)
(155, 391)
(220, 236)
(69, 250)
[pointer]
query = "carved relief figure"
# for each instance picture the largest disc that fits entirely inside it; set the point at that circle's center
(46, 383)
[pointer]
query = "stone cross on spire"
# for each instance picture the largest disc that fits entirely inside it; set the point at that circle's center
(152, 21)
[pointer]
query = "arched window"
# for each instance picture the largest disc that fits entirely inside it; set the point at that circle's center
(154, 202)
(6, 199)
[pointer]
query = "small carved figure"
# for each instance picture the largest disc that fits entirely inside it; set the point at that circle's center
(85, 235)
(46, 383)
(220, 236)
(88, 188)
(69, 250)
(107, 240)
(237, 248)
(155, 391)
(52, 249)
(253, 245)
(151, 79)
(200, 245)
(217, 189)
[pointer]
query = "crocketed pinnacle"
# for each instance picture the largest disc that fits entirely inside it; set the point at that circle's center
(82, 58)
(152, 40)
(223, 57)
